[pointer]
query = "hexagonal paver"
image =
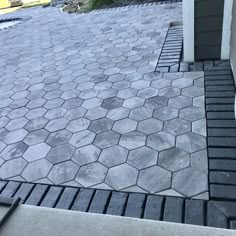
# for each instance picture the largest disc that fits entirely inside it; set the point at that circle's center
(199, 101)
(127, 93)
(190, 182)
(142, 157)
(199, 161)
(15, 136)
(180, 102)
(165, 113)
(161, 141)
(169, 92)
(58, 137)
(192, 113)
(132, 140)
(156, 102)
(177, 126)
(140, 84)
(37, 136)
(122, 176)
(118, 113)
(160, 83)
(57, 124)
(14, 150)
(133, 102)
(154, 179)
(82, 138)
(12, 168)
(101, 125)
(86, 155)
(148, 92)
(36, 124)
(173, 76)
(63, 172)
(150, 126)
(92, 103)
(16, 123)
(78, 125)
(125, 126)
(191, 142)
(75, 113)
(60, 153)
(199, 127)
(37, 170)
(36, 152)
(55, 113)
(111, 103)
(182, 83)
(141, 113)
(106, 139)
(113, 156)
(193, 91)
(73, 103)
(91, 174)
(56, 102)
(96, 113)
(174, 159)
(107, 93)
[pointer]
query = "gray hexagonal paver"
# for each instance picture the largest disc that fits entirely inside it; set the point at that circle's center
(169, 92)
(13, 150)
(36, 124)
(78, 125)
(16, 123)
(82, 138)
(142, 157)
(190, 182)
(191, 142)
(177, 126)
(125, 126)
(199, 127)
(154, 179)
(156, 102)
(132, 140)
(182, 83)
(174, 159)
(165, 113)
(113, 156)
(12, 168)
(193, 91)
(133, 102)
(60, 153)
(180, 102)
(37, 136)
(118, 113)
(122, 176)
(159, 84)
(91, 174)
(57, 124)
(92, 103)
(192, 113)
(96, 113)
(101, 125)
(106, 139)
(75, 113)
(141, 113)
(58, 137)
(37, 170)
(161, 141)
(150, 126)
(86, 155)
(15, 136)
(63, 172)
(199, 161)
(127, 93)
(36, 152)
(148, 92)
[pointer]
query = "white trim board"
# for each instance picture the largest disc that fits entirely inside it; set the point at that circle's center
(226, 31)
(188, 29)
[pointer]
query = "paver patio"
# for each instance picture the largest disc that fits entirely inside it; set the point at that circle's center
(80, 104)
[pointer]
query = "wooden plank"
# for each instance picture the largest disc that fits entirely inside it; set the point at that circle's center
(51, 197)
(67, 197)
(173, 211)
(37, 195)
(83, 200)
(215, 218)
(117, 203)
(2, 185)
(10, 189)
(194, 212)
(100, 201)
(153, 208)
(135, 205)
(24, 191)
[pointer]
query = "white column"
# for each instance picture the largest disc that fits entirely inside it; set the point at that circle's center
(188, 24)
(226, 32)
